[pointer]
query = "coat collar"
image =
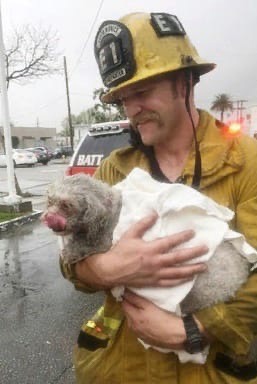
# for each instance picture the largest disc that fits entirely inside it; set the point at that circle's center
(220, 155)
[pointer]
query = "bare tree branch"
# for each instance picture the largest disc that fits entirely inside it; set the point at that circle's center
(32, 54)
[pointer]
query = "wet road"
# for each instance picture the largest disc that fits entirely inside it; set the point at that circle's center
(40, 312)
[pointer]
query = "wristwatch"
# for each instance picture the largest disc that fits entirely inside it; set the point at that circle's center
(195, 341)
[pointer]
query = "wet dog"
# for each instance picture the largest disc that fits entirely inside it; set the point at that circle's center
(85, 211)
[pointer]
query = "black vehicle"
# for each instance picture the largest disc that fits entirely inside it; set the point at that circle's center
(64, 151)
(42, 157)
(99, 141)
(43, 149)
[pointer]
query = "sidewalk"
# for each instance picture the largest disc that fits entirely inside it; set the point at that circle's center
(38, 205)
(38, 202)
(38, 199)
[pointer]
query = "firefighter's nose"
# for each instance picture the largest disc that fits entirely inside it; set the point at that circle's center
(131, 107)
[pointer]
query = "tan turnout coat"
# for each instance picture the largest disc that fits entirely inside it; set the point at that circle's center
(229, 176)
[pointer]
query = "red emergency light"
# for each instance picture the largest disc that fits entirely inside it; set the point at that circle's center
(234, 128)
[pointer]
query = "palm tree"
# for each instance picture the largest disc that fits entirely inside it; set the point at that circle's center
(222, 103)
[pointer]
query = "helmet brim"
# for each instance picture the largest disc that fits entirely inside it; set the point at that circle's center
(112, 96)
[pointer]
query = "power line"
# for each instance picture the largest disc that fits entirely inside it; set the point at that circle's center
(239, 109)
(88, 37)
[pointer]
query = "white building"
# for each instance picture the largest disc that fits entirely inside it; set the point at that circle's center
(25, 137)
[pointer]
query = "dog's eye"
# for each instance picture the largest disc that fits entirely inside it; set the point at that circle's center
(65, 206)
(49, 202)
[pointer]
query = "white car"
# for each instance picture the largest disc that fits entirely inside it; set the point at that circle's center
(20, 157)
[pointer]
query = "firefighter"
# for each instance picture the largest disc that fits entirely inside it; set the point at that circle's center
(149, 65)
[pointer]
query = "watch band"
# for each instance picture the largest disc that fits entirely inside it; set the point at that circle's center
(195, 341)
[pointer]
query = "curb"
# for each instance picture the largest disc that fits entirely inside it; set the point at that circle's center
(19, 221)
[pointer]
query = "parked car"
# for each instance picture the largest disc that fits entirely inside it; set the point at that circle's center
(64, 151)
(41, 156)
(45, 150)
(98, 142)
(20, 157)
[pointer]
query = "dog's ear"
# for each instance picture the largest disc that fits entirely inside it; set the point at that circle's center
(108, 202)
(95, 220)
(95, 211)
(97, 203)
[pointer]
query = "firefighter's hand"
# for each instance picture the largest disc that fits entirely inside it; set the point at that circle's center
(154, 325)
(151, 324)
(139, 263)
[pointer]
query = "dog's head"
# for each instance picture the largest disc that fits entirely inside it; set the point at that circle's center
(77, 204)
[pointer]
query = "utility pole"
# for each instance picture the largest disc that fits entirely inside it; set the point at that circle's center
(12, 198)
(239, 109)
(68, 103)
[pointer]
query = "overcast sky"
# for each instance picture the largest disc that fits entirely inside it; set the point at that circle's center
(223, 31)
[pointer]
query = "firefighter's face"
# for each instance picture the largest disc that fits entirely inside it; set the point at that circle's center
(154, 108)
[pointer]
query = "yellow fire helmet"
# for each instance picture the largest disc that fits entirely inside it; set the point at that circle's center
(140, 46)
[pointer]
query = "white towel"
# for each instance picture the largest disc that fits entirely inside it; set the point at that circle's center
(179, 208)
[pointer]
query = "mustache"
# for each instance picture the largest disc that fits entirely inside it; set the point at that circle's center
(143, 117)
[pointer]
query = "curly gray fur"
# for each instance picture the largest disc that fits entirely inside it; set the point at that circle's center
(227, 272)
(92, 209)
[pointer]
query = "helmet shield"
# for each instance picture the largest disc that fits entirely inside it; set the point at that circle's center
(114, 53)
(141, 46)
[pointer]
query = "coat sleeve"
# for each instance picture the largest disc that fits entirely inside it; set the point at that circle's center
(68, 272)
(235, 323)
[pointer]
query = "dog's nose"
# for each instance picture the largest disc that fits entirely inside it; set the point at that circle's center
(55, 221)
